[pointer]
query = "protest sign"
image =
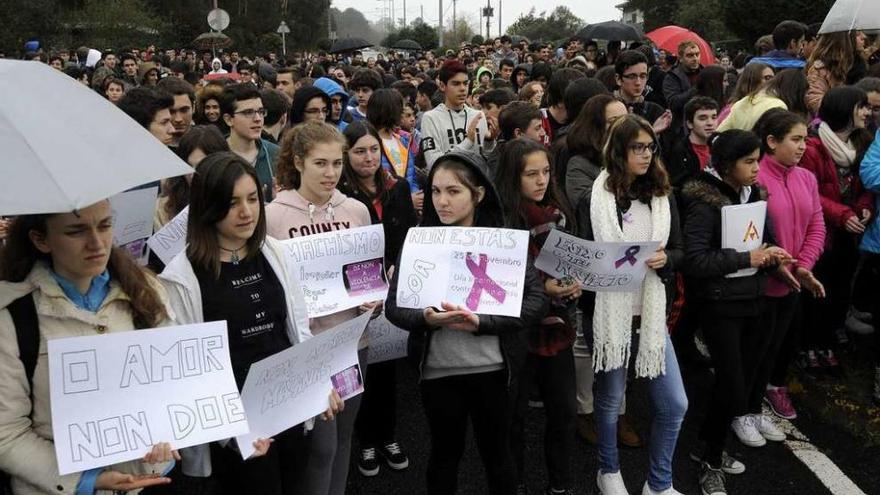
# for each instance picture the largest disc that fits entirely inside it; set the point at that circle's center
(294, 385)
(170, 239)
(387, 341)
(133, 220)
(480, 268)
(598, 266)
(341, 269)
(742, 229)
(115, 395)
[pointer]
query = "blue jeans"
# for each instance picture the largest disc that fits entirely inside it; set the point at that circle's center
(668, 404)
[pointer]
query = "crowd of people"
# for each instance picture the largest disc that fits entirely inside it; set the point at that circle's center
(623, 143)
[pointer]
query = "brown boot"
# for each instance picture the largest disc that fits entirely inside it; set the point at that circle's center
(586, 428)
(626, 434)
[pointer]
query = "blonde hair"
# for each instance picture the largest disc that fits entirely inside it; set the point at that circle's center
(298, 143)
(684, 45)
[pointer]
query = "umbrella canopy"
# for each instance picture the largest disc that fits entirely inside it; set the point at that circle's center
(211, 41)
(668, 37)
(611, 31)
(349, 45)
(65, 147)
(849, 15)
(517, 39)
(408, 45)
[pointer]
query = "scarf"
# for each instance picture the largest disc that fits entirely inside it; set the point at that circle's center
(541, 220)
(612, 317)
(842, 152)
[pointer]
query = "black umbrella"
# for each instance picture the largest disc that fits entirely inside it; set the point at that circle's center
(408, 45)
(349, 45)
(212, 41)
(611, 31)
(517, 39)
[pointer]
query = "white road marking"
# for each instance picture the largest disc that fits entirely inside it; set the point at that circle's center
(828, 473)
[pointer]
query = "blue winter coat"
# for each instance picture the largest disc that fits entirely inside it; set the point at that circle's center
(870, 175)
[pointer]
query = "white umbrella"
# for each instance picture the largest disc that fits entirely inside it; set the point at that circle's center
(849, 15)
(63, 147)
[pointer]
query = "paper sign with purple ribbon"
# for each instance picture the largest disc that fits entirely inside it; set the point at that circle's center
(482, 269)
(599, 266)
(340, 269)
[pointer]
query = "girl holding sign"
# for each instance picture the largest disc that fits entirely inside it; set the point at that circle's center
(232, 271)
(389, 202)
(631, 201)
(309, 169)
(62, 277)
(469, 363)
(527, 186)
(795, 210)
(730, 307)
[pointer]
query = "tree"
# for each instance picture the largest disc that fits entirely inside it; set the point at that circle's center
(658, 14)
(26, 19)
(561, 23)
(751, 19)
(702, 17)
(418, 31)
(352, 23)
(119, 23)
(463, 30)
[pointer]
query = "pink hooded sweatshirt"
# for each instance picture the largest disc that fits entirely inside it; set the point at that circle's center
(291, 215)
(795, 210)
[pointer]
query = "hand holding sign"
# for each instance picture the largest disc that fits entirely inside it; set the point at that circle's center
(337, 405)
(453, 317)
(658, 260)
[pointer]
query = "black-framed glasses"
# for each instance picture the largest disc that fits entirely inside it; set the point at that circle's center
(250, 113)
(641, 148)
(314, 111)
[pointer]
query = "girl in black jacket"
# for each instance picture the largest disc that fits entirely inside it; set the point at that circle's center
(730, 307)
(468, 362)
(389, 202)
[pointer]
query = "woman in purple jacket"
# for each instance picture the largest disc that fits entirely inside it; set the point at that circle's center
(795, 212)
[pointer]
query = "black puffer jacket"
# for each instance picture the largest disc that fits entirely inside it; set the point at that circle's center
(706, 263)
(398, 215)
(511, 331)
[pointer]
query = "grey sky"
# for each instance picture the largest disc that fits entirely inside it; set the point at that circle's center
(588, 10)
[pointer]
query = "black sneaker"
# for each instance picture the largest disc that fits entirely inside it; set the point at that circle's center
(729, 464)
(367, 463)
(395, 457)
(711, 481)
(550, 491)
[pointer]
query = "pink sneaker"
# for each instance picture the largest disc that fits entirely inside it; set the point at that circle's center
(779, 403)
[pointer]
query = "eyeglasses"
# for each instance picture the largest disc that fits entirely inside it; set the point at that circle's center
(633, 77)
(314, 111)
(251, 113)
(641, 148)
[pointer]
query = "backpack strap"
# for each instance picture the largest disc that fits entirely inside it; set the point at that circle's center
(27, 332)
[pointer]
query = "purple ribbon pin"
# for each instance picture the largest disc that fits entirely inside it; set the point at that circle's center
(628, 256)
(482, 282)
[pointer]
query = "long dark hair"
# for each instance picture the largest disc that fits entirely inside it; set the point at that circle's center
(588, 132)
(508, 182)
(19, 256)
(778, 123)
(710, 83)
(730, 146)
(201, 137)
(616, 153)
(836, 110)
(353, 133)
(790, 86)
(212, 188)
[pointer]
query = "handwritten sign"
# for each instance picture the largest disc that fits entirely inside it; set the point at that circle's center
(133, 221)
(170, 239)
(294, 385)
(341, 269)
(387, 342)
(115, 395)
(598, 266)
(742, 229)
(480, 268)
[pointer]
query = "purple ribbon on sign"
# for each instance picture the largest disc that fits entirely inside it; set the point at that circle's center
(482, 282)
(628, 256)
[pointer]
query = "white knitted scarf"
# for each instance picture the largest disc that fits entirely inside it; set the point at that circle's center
(842, 152)
(612, 317)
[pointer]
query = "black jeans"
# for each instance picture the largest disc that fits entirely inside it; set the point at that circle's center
(774, 365)
(279, 472)
(865, 294)
(449, 402)
(554, 376)
(737, 346)
(377, 418)
(835, 269)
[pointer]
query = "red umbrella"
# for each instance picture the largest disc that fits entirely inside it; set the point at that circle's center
(668, 37)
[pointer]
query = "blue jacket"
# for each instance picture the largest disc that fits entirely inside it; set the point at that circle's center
(870, 175)
(780, 59)
(332, 88)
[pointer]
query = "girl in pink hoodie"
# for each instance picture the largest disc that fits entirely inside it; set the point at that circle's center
(309, 167)
(794, 210)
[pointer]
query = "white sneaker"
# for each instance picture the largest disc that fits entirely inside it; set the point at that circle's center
(768, 429)
(611, 484)
(747, 431)
(669, 491)
(858, 326)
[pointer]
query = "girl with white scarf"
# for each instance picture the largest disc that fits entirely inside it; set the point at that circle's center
(631, 201)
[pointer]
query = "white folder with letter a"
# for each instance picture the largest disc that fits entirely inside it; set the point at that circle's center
(742, 229)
